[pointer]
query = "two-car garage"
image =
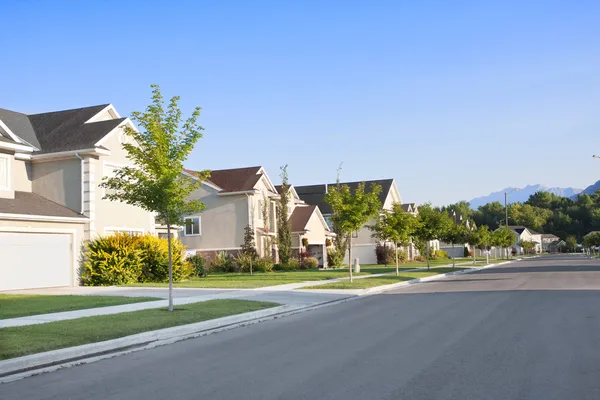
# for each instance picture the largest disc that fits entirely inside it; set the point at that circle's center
(36, 260)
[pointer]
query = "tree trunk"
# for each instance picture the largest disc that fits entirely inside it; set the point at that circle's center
(170, 265)
(427, 255)
(397, 272)
(487, 257)
(350, 256)
(474, 252)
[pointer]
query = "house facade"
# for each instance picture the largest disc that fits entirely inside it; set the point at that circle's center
(549, 242)
(524, 233)
(310, 231)
(234, 199)
(363, 244)
(51, 165)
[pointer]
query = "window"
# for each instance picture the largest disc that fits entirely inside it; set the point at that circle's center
(4, 172)
(192, 226)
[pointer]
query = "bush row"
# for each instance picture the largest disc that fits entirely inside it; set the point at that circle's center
(222, 263)
(122, 259)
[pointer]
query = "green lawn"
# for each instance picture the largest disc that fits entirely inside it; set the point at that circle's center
(383, 280)
(256, 280)
(24, 340)
(20, 305)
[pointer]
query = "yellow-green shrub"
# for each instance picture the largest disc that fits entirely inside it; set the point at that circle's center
(112, 260)
(122, 259)
(155, 260)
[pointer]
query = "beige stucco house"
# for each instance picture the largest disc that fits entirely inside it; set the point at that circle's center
(233, 198)
(50, 167)
(308, 226)
(363, 245)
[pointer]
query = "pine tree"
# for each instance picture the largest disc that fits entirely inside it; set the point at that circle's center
(249, 246)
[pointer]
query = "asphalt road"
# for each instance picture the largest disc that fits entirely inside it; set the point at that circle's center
(528, 330)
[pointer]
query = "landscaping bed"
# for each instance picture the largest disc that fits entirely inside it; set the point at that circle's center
(24, 340)
(20, 305)
(384, 280)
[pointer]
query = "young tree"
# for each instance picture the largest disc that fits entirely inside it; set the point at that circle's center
(474, 240)
(284, 230)
(249, 246)
(432, 225)
(351, 210)
(485, 240)
(527, 245)
(456, 234)
(156, 182)
(571, 243)
(504, 238)
(395, 225)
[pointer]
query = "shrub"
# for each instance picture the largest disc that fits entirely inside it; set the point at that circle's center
(305, 254)
(304, 242)
(223, 263)
(334, 258)
(263, 264)
(155, 260)
(199, 264)
(402, 256)
(112, 260)
(438, 255)
(466, 252)
(309, 263)
(245, 261)
(328, 243)
(384, 254)
(292, 265)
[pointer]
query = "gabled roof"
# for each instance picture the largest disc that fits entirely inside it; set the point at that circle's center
(315, 194)
(517, 228)
(60, 130)
(26, 203)
(235, 179)
(409, 207)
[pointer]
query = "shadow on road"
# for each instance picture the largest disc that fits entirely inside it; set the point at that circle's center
(541, 268)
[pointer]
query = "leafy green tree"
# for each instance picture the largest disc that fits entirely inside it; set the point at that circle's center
(491, 214)
(504, 238)
(571, 243)
(527, 245)
(461, 209)
(456, 234)
(395, 225)
(432, 224)
(529, 216)
(351, 210)
(284, 230)
(156, 182)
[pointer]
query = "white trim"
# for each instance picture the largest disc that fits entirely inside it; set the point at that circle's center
(207, 183)
(94, 151)
(21, 156)
(322, 218)
(108, 108)
(10, 133)
(15, 146)
(8, 159)
(269, 183)
(47, 218)
(74, 244)
(115, 129)
(185, 234)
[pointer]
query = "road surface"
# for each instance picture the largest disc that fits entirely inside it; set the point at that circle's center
(527, 330)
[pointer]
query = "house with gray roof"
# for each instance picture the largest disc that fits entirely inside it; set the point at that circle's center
(51, 165)
(363, 245)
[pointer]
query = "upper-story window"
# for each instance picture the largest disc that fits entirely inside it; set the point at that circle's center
(193, 226)
(4, 172)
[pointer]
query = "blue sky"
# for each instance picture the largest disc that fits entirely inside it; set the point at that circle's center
(452, 99)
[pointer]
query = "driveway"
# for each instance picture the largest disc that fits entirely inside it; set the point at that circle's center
(528, 330)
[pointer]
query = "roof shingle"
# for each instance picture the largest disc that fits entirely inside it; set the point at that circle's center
(33, 204)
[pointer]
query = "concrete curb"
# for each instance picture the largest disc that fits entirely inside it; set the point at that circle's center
(22, 367)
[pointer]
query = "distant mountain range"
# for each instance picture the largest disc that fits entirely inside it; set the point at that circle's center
(522, 194)
(588, 190)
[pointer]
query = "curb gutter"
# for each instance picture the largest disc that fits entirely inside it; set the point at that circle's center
(22, 367)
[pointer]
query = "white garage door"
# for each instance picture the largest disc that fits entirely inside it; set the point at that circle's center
(35, 260)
